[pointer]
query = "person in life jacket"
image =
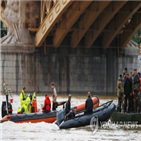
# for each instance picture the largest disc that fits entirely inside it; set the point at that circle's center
(34, 104)
(28, 103)
(34, 96)
(22, 96)
(26, 106)
(21, 110)
(47, 104)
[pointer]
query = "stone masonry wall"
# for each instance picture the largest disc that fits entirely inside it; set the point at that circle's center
(72, 70)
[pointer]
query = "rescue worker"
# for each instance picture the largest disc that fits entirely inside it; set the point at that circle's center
(34, 108)
(47, 105)
(21, 110)
(54, 96)
(68, 105)
(127, 91)
(28, 103)
(136, 91)
(124, 72)
(120, 93)
(89, 104)
(26, 106)
(22, 96)
(34, 96)
(68, 112)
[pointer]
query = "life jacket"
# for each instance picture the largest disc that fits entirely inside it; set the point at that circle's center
(22, 97)
(27, 104)
(19, 110)
(47, 104)
(34, 96)
(34, 106)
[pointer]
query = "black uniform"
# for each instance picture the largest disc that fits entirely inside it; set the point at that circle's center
(88, 105)
(68, 107)
(131, 97)
(127, 91)
(69, 114)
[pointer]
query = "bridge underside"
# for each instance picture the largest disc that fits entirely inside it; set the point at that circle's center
(89, 24)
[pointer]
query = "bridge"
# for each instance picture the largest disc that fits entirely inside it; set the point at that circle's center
(88, 24)
(80, 45)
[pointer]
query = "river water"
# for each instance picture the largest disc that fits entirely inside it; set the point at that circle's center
(10, 131)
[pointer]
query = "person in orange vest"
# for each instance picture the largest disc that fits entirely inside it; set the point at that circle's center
(47, 104)
(34, 108)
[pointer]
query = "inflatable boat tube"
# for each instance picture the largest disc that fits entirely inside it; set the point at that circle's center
(81, 107)
(102, 113)
(32, 117)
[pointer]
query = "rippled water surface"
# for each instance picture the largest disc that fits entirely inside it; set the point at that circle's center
(10, 131)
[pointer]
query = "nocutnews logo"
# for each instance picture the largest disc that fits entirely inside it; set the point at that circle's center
(95, 124)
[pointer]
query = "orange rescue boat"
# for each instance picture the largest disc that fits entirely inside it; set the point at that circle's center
(45, 117)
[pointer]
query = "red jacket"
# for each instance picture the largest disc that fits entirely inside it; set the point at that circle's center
(47, 104)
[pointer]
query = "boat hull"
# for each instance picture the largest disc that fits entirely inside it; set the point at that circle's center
(103, 113)
(126, 117)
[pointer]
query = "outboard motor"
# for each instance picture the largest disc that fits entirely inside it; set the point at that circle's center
(3, 109)
(60, 117)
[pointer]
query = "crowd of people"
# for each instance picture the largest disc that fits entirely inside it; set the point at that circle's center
(129, 92)
(29, 104)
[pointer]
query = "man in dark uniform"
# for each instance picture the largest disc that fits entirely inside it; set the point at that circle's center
(68, 105)
(131, 98)
(68, 112)
(89, 104)
(124, 75)
(136, 91)
(124, 72)
(127, 91)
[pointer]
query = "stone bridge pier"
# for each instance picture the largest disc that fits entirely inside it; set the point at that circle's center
(72, 70)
